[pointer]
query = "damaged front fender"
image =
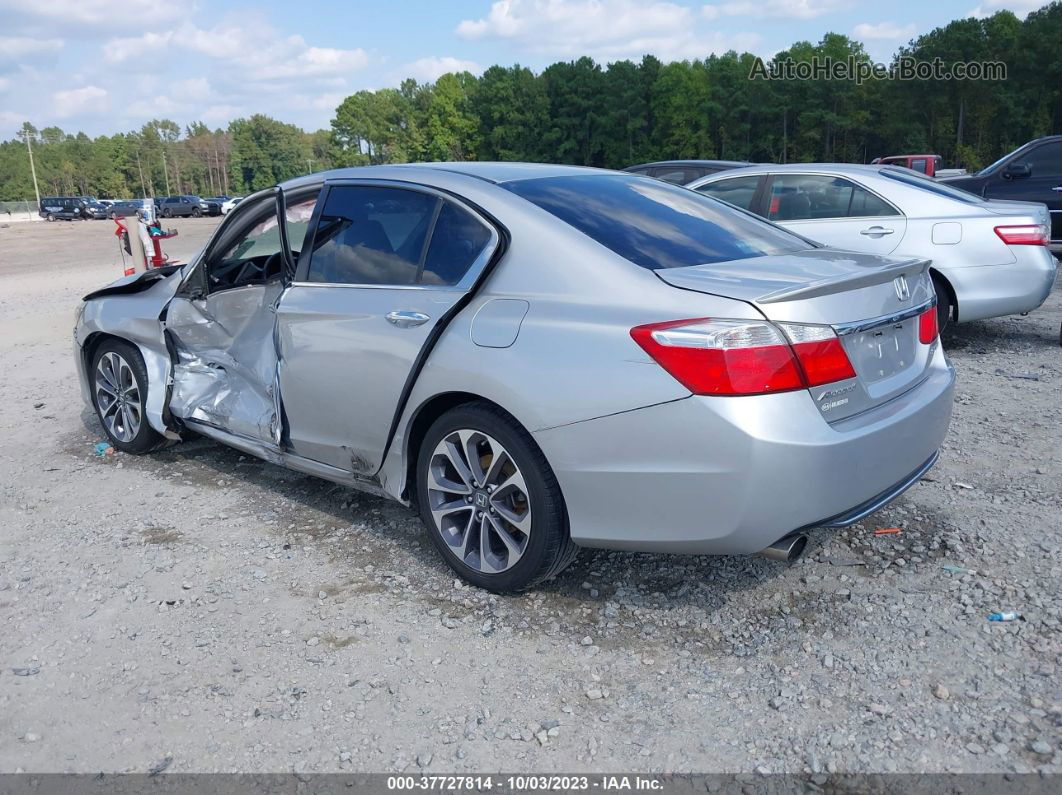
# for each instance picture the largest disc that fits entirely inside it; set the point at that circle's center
(131, 309)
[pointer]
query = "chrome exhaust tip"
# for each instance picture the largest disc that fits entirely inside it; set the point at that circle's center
(787, 548)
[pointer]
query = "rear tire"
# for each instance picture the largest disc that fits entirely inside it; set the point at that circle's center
(505, 495)
(50, 217)
(119, 384)
(945, 308)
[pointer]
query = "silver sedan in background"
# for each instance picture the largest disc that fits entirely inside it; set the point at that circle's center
(538, 358)
(989, 258)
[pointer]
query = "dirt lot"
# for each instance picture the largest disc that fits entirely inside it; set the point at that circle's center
(202, 610)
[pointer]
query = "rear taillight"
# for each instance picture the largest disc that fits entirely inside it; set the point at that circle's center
(927, 326)
(1025, 235)
(820, 353)
(744, 357)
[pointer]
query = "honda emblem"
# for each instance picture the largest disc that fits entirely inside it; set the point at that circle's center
(903, 292)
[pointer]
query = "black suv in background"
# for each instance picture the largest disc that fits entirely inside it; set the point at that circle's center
(172, 206)
(1031, 173)
(683, 172)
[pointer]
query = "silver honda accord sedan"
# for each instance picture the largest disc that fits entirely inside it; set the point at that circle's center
(537, 358)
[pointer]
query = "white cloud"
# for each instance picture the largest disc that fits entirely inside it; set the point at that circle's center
(775, 9)
(1020, 7)
(91, 15)
(123, 48)
(603, 29)
(4, 83)
(557, 26)
(75, 101)
(256, 50)
(432, 68)
(884, 31)
(14, 47)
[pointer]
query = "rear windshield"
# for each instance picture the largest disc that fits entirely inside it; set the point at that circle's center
(654, 224)
(916, 180)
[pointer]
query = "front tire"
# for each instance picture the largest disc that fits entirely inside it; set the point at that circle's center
(490, 501)
(119, 393)
(196, 212)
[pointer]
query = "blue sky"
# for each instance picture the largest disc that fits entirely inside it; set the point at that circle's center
(83, 65)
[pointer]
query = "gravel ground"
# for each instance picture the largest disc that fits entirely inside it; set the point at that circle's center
(200, 610)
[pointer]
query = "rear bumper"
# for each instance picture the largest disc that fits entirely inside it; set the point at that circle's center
(733, 475)
(995, 290)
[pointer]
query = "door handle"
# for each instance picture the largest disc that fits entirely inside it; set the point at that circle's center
(875, 230)
(406, 319)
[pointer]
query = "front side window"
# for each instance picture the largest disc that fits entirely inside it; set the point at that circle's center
(391, 236)
(739, 191)
(919, 165)
(255, 257)
(654, 224)
(809, 197)
(1046, 160)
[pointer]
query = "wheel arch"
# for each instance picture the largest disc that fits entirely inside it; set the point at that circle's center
(940, 277)
(156, 411)
(421, 420)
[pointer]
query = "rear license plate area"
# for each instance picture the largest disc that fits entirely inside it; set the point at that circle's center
(882, 352)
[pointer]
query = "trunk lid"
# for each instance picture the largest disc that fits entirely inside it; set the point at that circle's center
(871, 302)
(1034, 212)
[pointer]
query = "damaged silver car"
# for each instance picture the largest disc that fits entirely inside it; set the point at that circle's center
(538, 358)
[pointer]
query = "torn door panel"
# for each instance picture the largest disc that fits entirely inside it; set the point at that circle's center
(225, 370)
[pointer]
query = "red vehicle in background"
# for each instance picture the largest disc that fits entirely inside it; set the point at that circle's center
(929, 165)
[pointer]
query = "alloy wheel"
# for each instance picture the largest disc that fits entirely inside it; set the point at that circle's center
(479, 501)
(118, 397)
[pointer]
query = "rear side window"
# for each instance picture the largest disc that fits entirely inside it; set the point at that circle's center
(391, 236)
(739, 191)
(809, 197)
(654, 224)
(928, 184)
(456, 242)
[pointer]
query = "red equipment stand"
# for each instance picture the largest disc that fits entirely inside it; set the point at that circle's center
(155, 257)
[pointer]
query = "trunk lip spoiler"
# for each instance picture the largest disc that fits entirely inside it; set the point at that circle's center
(823, 287)
(843, 329)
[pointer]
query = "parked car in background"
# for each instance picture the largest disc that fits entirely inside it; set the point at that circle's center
(489, 378)
(923, 164)
(126, 207)
(229, 204)
(212, 206)
(174, 206)
(681, 172)
(1032, 172)
(988, 258)
(95, 210)
(65, 208)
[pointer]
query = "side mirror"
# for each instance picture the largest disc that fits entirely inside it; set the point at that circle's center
(1017, 171)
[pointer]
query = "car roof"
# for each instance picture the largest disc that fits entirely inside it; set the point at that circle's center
(496, 172)
(833, 168)
(732, 163)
